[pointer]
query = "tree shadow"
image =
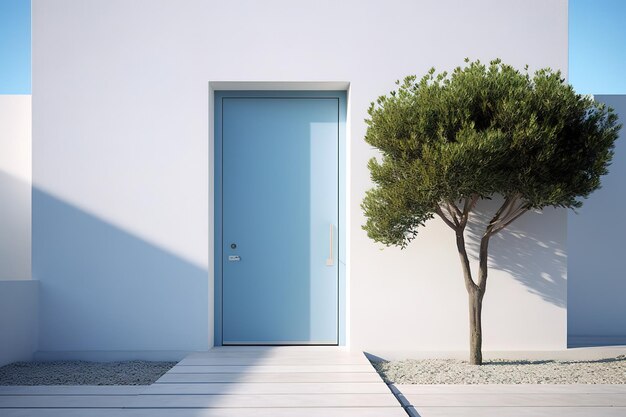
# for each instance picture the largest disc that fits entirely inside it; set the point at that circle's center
(531, 249)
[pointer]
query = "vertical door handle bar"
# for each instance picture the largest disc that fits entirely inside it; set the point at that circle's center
(330, 261)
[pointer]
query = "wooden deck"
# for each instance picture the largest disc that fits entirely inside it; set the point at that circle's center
(227, 382)
(303, 382)
(513, 400)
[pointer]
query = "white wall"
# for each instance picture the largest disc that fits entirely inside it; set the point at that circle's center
(121, 164)
(18, 320)
(597, 284)
(15, 183)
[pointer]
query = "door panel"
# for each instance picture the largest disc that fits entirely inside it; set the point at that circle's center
(280, 209)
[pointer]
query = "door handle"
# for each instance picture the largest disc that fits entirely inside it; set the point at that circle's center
(330, 261)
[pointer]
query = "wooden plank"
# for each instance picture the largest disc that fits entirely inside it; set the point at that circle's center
(517, 400)
(245, 381)
(200, 369)
(65, 412)
(210, 412)
(272, 412)
(263, 401)
(517, 412)
(277, 350)
(274, 361)
(326, 412)
(290, 377)
(271, 354)
(276, 354)
(510, 388)
(289, 349)
(274, 388)
(65, 401)
(73, 389)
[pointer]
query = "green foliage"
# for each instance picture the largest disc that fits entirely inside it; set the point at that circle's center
(482, 130)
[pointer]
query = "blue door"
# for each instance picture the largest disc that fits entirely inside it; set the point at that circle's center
(279, 219)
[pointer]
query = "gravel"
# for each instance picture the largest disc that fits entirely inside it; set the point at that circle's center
(499, 371)
(83, 373)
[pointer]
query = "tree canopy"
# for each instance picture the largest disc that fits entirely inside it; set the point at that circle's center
(482, 130)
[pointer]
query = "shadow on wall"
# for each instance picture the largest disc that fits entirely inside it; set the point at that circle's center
(528, 249)
(104, 289)
(596, 315)
(15, 231)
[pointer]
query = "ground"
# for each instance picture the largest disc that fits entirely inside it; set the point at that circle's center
(449, 371)
(83, 373)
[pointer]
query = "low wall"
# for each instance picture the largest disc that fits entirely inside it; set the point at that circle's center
(19, 324)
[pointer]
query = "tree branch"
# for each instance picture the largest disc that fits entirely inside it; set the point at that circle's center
(512, 202)
(483, 258)
(504, 213)
(513, 212)
(445, 219)
(458, 212)
(451, 213)
(457, 220)
(470, 285)
(516, 216)
(496, 216)
(470, 202)
(466, 206)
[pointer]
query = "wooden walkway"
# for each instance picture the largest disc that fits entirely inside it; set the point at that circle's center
(513, 400)
(303, 382)
(227, 382)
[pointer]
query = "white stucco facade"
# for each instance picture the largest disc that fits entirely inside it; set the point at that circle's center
(121, 133)
(15, 187)
(122, 167)
(19, 320)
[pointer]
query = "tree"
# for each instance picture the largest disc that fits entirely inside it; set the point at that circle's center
(450, 140)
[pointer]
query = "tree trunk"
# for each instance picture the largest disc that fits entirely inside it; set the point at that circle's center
(475, 293)
(457, 220)
(476, 331)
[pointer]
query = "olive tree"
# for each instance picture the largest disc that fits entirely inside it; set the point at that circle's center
(447, 141)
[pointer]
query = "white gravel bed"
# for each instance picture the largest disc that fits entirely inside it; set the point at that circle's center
(499, 371)
(83, 373)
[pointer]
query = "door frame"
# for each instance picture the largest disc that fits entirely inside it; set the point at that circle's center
(217, 95)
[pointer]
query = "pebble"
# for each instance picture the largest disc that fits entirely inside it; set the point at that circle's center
(500, 371)
(83, 373)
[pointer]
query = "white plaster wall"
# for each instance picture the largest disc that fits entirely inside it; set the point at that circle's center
(597, 312)
(121, 134)
(15, 182)
(18, 320)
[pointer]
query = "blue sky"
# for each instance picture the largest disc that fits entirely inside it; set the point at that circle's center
(15, 47)
(597, 46)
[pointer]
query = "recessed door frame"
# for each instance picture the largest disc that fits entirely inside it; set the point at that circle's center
(216, 96)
